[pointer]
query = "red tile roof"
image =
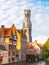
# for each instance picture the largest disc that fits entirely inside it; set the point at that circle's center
(6, 31)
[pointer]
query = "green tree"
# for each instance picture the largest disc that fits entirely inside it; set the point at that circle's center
(46, 48)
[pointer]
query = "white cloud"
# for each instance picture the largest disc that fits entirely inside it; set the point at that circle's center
(41, 22)
(38, 18)
(40, 39)
(11, 11)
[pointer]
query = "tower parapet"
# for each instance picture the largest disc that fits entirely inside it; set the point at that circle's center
(27, 12)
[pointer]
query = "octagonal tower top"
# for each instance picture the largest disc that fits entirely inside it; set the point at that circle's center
(27, 12)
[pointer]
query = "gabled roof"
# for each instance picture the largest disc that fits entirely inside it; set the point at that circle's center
(41, 46)
(7, 31)
(20, 30)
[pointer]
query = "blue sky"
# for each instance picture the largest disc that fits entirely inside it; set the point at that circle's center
(12, 11)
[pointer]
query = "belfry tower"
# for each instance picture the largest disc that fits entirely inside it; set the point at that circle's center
(27, 25)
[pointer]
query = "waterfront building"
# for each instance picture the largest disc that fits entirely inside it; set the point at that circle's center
(3, 55)
(9, 37)
(15, 40)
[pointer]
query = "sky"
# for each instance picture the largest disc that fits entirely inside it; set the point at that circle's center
(12, 12)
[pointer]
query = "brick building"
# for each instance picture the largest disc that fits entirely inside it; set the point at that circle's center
(3, 54)
(16, 40)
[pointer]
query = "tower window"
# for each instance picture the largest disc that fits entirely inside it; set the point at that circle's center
(27, 15)
(25, 31)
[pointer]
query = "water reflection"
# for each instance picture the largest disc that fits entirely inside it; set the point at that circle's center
(29, 63)
(39, 63)
(36, 63)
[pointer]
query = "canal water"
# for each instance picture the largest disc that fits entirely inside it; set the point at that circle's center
(39, 63)
(29, 63)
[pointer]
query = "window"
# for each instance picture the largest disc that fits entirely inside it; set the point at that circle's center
(13, 59)
(4, 54)
(26, 15)
(9, 53)
(14, 47)
(25, 30)
(9, 60)
(13, 53)
(10, 46)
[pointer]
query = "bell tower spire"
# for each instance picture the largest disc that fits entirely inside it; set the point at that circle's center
(27, 25)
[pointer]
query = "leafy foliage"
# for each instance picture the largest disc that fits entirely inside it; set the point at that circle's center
(46, 49)
(46, 46)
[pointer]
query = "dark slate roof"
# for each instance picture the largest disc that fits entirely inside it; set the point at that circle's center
(2, 47)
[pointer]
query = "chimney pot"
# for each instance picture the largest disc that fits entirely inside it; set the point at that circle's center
(2, 26)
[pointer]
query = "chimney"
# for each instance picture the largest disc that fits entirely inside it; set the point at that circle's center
(2, 37)
(2, 26)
